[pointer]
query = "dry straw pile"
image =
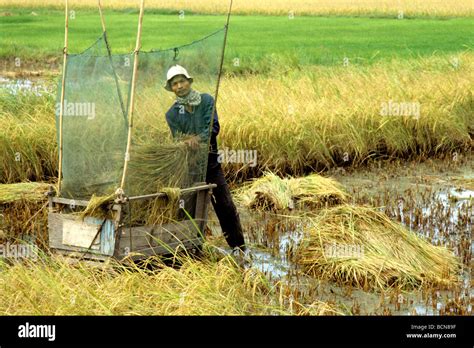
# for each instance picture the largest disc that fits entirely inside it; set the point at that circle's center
(271, 192)
(362, 247)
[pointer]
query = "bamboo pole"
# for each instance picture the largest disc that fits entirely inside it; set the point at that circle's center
(61, 107)
(109, 52)
(102, 21)
(219, 76)
(162, 194)
(132, 94)
(222, 61)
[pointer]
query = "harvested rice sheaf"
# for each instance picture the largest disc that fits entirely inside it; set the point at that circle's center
(154, 166)
(23, 212)
(31, 191)
(362, 247)
(155, 211)
(316, 190)
(274, 193)
(98, 206)
(465, 183)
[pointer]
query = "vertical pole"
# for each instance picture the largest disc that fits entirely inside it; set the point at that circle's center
(101, 17)
(109, 52)
(61, 107)
(219, 76)
(132, 94)
(222, 56)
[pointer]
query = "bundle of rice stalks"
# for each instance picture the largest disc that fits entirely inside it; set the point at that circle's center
(23, 212)
(273, 193)
(269, 192)
(149, 212)
(362, 247)
(164, 209)
(154, 166)
(315, 190)
(466, 183)
(30, 191)
(98, 207)
(155, 211)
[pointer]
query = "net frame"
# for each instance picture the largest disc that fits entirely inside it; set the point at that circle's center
(120, 190)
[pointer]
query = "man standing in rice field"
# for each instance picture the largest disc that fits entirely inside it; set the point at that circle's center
(190, 115)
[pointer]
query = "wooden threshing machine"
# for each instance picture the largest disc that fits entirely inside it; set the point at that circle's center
(97, 135)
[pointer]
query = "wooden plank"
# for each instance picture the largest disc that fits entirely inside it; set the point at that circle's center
(107, 238)
(118, 228)
(67, 201)
(50, 204)
(180, 227)
(76, 202)
(161, 250)
(202, 204)
(80, 234)
(64, 225)
(146, 237)
(189, 206)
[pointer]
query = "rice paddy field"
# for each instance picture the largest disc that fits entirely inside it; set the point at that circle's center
(360, 200)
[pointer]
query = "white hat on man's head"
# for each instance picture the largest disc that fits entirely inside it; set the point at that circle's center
(176, 70)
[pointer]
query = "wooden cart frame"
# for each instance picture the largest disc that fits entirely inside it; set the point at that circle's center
(102, 239)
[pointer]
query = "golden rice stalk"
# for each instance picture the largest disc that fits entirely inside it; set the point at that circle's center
(30, 191)
(98, 206)
(23, 218)
(23, 212)
(466, 183)
(269, 192)
(154, 166)
(362, 247)
(315, 189)
(196, 288)
(154, 211)
(163, 209)
(273, 193)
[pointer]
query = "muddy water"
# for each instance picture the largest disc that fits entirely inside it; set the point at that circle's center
(433, 199)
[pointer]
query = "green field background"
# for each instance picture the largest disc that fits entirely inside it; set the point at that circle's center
(298, 41)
